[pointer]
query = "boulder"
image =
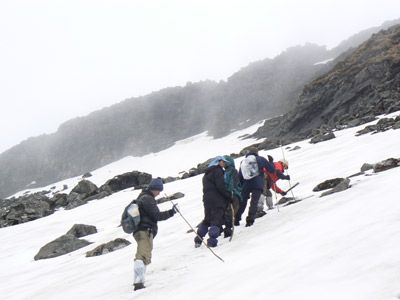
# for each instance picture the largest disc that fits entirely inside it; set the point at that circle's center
(344, 185)
(108, 247)
(86, 188)
(81, 230)
(171, 197)
(60, 246)
(328, 184)
(322, 137)
(135, 179)
(366, 167)
(386, 164)
(24, 209)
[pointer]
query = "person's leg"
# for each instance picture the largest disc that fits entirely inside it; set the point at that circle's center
(255, 196)
(242, 205)
(228, 221)
(260, 207)
(203, 228)
(268, 197)
(216, 220)
(144, 241)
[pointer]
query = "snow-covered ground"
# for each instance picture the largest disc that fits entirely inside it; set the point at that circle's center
(342, 246)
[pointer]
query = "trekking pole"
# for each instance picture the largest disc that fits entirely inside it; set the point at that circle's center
(233, 226)
(290, 184)
(194, 230)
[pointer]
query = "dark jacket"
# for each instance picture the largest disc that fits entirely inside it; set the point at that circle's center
(149, 212)
(215, 193)
(257, 183)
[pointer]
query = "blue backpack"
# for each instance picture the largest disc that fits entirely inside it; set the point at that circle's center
(131, 218)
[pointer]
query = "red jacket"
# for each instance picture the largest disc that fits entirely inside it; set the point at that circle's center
(272, 178)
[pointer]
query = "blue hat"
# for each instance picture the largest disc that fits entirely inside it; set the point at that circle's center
(216, 161)
(156, 184)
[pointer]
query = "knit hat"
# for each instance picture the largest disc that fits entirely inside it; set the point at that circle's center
(156, 184)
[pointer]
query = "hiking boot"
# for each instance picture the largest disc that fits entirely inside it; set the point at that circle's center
(138, 286)
(249, 223)
(260, 214)
(197, 245)
(236, 223)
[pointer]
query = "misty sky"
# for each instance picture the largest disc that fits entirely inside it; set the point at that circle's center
(63, 59)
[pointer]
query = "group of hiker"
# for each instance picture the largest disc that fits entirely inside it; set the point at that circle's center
(226, 192)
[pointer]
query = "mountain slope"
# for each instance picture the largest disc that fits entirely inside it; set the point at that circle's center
(343, 246)
(153, 122)
(366, 83)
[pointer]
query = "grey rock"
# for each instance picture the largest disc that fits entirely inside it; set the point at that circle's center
(108, 247)
(60, 246)
(344, 185)
(134, 179)
(81, 230)
(171, 197)
(386, 164)
(322, 138)
(328, 184)
(366, 167)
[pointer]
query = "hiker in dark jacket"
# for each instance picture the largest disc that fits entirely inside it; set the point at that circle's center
(216, 198)
(149, 216)
(253, 186)
(233, 185)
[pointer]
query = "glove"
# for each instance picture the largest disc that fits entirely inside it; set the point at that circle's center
(175, 208)
(283, 193)
(287, 177)
(270, 158)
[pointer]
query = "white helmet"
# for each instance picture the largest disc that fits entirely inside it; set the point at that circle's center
(285, 163)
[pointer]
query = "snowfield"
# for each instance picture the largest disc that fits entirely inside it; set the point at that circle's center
(342, 246)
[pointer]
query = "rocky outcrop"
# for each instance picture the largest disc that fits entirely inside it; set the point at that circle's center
(363, 85)
(170, 197)
(24, 209)
(382, 125)
(108, 247)
(322, 138)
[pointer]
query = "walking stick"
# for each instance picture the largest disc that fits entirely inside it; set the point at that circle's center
(194, 230)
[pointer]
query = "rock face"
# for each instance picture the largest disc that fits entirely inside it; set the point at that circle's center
(363, 85)
(60, 246)
(108, 247)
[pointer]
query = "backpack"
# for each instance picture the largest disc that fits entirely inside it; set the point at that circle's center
(249, 167)
(130, 218)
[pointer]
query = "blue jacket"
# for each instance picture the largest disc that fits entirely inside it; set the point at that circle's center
(257, 183)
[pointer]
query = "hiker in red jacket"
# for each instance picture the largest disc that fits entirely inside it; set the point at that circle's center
(270, 183)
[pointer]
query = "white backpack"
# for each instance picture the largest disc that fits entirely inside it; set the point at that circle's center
(249, 167)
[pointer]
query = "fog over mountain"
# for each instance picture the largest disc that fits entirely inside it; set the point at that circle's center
(141, 125)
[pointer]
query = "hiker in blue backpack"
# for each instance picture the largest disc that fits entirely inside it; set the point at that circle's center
(216, 199)
(251, 174)
(149, 216)
(233, 185)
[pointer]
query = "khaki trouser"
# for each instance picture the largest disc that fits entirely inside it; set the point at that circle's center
(144, 241)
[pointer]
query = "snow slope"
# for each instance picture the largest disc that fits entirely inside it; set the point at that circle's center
(342, 246)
